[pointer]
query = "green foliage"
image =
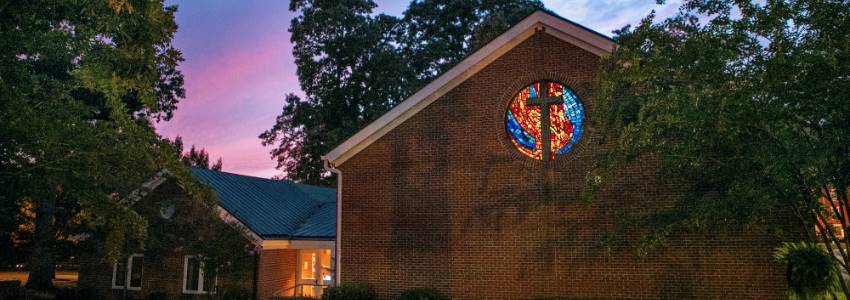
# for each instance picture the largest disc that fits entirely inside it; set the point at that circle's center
(742, 104)
(422, 294)
(812, 272)
(197, 229)
(81, 84)
(199, 158)
(349, 291)
(435, 35)
(72, 293)
(158, 296)
(353, 66)
(236, 294)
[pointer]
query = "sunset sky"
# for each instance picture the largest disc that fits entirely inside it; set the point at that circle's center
(239, 65)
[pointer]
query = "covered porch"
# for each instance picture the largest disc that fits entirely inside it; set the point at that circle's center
(295, 268)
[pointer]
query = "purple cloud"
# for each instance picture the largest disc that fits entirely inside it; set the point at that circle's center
(239, 66)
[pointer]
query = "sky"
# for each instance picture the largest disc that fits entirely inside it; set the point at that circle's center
(238, 67)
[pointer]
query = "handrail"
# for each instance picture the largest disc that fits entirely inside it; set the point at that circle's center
(279, 293)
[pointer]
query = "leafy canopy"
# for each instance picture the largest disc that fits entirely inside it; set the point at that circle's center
(195, 157)
(747, 102)
(81, 84)
(353, 66)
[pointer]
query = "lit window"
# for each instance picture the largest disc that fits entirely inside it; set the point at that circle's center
(559, 108)
(128, 273)
(195, 279)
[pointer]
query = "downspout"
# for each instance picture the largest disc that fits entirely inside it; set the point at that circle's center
(337, 253)
(256, 274)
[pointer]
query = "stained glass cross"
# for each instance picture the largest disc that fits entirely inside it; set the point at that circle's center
(544, 101)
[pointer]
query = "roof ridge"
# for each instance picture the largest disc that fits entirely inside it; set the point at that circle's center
(552, 13)
(538, 21)
(315, 211)
(285, 181)
(268, 207)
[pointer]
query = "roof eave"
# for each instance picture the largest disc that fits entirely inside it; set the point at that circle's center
(555, 25)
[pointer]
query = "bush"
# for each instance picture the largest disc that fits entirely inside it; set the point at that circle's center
(88, 293)
(422, 294)
(811, 270)
(157, 296)
(347, 291)
(75, 293)
(38, 295)
(66, 294)
(10, 289)
(236, 294)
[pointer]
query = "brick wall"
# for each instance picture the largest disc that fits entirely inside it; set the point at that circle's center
(445, 201)
(277, 269)
(163, 273)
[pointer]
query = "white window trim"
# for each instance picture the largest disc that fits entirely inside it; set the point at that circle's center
(200, 290)
(127, 276)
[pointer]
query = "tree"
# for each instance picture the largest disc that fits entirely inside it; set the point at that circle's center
(747, 103)
(354, 66)
(434, 35)
(80, 85)
(198, 158)
(349, 73)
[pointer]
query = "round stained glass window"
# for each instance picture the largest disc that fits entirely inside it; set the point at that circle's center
(563, 115)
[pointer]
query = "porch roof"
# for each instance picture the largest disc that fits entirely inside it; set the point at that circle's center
(275, 209)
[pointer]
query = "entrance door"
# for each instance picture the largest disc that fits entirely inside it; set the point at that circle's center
(314, 271)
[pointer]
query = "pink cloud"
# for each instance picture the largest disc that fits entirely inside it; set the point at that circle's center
(232, 98)
(239, 65)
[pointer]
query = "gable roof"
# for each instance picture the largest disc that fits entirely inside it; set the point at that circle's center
(274, 209)
(551, 23)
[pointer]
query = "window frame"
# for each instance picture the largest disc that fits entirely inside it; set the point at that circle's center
(128, 272)
(201, 279)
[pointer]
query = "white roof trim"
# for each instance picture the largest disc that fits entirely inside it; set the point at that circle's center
(554, 25)
(297, 244)
(146, 188)
(246, 231)
(163, 176)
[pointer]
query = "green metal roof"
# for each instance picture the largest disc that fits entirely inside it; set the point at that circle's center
(275, 209)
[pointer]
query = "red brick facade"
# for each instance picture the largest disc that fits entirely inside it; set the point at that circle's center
(278, 268)
(163, 275)
(445, 201)
(833, 210)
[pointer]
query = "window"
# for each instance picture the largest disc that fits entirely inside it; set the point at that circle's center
(128, 274)
(559, 109)
(195, 281)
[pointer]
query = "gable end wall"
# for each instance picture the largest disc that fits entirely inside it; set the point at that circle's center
(445, 201)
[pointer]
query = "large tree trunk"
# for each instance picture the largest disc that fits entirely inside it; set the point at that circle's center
(43, 260)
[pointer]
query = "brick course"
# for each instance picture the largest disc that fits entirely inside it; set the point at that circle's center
(278, 268)
(445, 201)
(163, 273)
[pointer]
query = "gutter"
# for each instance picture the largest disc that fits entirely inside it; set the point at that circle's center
(337, 253)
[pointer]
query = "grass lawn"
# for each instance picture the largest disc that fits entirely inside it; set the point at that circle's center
(63, 279)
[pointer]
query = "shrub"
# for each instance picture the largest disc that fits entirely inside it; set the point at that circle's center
(236, 294)
(157, 296)
(38, 295)
(10, 289)
(347, 291)
(63, 293)
(422, 294)
(88, 293)
(811, 270)
(66, 294)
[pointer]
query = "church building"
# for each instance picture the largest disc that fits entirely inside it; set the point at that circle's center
(289, 228)
(459, 188)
